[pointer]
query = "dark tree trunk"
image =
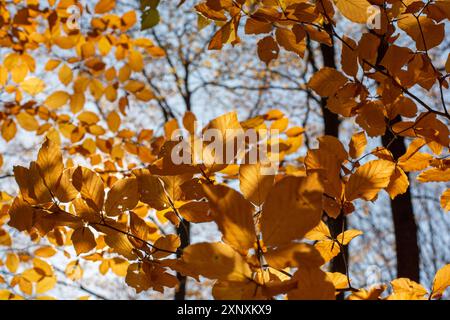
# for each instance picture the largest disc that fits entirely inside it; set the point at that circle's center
(407, 248)
(331, 124)
(183, 231)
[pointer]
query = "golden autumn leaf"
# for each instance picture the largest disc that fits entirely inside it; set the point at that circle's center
(32, 86)
(83, 240)
(122, 196)
(113, 121)
(140, 228)
(74, 271)
(12, 262)
(65, 75)
(405, 289)
(413, 160)
(45, 252)
(166, 245)
(216, 261)
(27, 121)
(398, 184)
(434, 175)
(57, 99)
(354, 10)
(119, 243)
(66, 192)
(327, 81)
(233, 215)
(255, 182)
(291, 199)
(357, 145)
(196, 211)
(151, 190)
(369, 179)
(312, 284)
(104, 6)
(294, 255)
(9, 129)
(441, 281)
(50, 164)
(90, 185)
(371, 294)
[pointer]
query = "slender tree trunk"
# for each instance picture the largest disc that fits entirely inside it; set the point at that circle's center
(183, 231)
(331, 123)
(184, 228)
(407, 248)
(405, 227)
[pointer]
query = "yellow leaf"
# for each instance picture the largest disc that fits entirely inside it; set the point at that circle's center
(357, 145)
(57, 99)
(413, 160)
(255, 183)
(65, 75)
(113, 121)
(170, 243)
(445, 200)
(294, 255)
(434, 175)
(196, 212)
(66, 192)
(46, 284)
(32, 86)
(21, 215)
(372, 294)
(405, 289)
(104, 6)
(347, 236)
(90, 186)
(140, 228)
(104, 46)
(398, 184)
(77, 101)
(74, 271)
(45, 252)
(83, 240)
(354, 10)
(122, 196)
(52, 64)
(12, 262)
(369, 179)
(280, 124)
(27, 121)
(136, 61)
(319, 232)
(9, 129)
(233, 215)
(441, 281)
(151, 190)
(50, 164)
(216, 261)
(292, 208)
(119, 243)
(312, 284)
(340, 280)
